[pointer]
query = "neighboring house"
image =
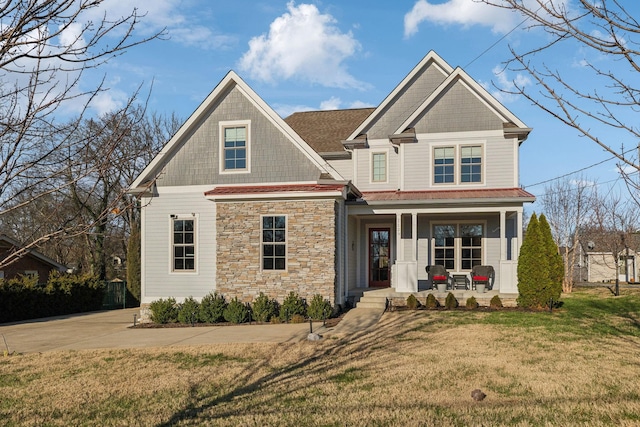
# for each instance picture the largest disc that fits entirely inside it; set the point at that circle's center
(241, 201)
(32, 263)
(597, 266)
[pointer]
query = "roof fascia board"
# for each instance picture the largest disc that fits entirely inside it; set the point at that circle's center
(433, 57)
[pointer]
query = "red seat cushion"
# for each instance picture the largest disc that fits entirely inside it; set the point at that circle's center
(480, 278)
(439, 277)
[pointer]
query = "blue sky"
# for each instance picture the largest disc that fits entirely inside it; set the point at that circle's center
(341, 54)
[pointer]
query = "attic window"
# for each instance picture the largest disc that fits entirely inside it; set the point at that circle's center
(234, 146)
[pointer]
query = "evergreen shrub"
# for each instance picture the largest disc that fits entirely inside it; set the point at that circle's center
(292, 305)
(164, 311)
(320, 308)
(264, 308)
(472, 303)
(495, 302)
(432, 302)
(450, 302)
(237, 312)
(212, 308)
(189, 311)
(412, 302)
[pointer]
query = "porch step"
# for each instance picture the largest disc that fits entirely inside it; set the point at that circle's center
(372, 301)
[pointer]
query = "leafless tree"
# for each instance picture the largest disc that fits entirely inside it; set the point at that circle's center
(46, 48)
(601, 91)
(613, 229)
(568, 205)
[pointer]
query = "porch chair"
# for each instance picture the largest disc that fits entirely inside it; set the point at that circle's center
(438, 274)
(483, 275)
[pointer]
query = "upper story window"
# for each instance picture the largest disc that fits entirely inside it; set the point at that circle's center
(457, 165)
(379, 167)
(274, 242)
(234, 146)
(443, 165)
(471, 164)
(183, 244)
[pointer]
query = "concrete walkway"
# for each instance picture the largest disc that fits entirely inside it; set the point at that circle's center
(356, 320)
(111, 329)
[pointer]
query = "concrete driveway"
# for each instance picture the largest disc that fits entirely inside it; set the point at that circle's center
(111, 329)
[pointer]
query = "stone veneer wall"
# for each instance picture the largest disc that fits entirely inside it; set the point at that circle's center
(311, 250)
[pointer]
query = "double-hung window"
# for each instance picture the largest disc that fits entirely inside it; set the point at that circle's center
(458, 247)
(457, 164)
(471, 164)
(443, 165)
(274, 242)
(379, 167)
(184, 245)
(234, 146)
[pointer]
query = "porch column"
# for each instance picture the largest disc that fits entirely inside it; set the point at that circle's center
(503, 235)
(406, 279)
(414, 236)
(399, 245)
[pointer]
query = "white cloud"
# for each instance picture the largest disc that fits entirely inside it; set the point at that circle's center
(302, 44)
(470, 12)
(332, 103)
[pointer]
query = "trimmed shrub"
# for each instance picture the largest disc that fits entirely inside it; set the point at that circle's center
(237, 312)
(495, 302)
(189, 311)
(291, 305)
(320, 308)
(164, 311)
(264, 308)
(212, 308)
(297, 318)
(412, 302)
(450, 302)
(432, 302)
(472, 303)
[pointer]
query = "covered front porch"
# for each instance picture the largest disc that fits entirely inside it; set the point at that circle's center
(379, 298)
(389, 248)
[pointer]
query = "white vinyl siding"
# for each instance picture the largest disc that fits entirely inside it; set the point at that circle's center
(159, 281)
(499, 157)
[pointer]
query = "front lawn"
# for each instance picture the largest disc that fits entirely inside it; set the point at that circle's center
(578, 365)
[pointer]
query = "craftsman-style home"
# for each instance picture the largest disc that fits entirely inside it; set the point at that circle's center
(241, 201)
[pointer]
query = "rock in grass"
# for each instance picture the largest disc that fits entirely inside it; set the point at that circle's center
(478, 395)
(314, 337)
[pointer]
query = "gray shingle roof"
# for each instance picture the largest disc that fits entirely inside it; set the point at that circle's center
(324, 131)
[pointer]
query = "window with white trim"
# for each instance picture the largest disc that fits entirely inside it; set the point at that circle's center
(184, 244)
(235, 141)
(458, 247)
(457, 164)
(274, 242)
(379, 167)
(443, 165)
(471, 164)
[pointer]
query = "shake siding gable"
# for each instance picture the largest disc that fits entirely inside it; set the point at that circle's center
(412, 95)
(458, 110)
(197, 160)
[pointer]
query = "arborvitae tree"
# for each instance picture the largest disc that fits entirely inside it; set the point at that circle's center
(556, 265)
(533, 268)
(133, 264)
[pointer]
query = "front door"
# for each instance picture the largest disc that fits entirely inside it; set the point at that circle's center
(379, 253)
